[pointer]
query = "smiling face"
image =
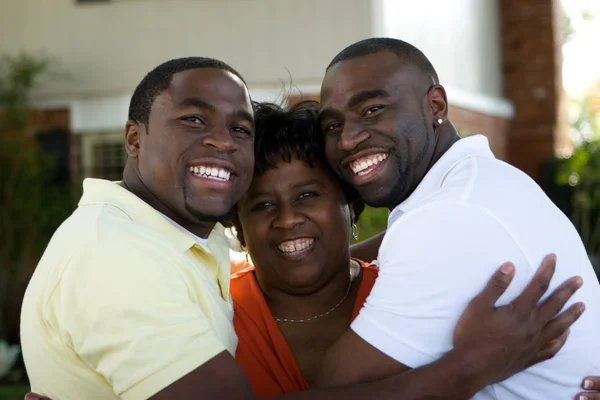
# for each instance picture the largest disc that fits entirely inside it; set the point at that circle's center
(379, 134)
(296, 224)
(197, 155)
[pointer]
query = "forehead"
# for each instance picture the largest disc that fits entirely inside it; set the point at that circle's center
(378, 71)
(286, 175)
(214, 85)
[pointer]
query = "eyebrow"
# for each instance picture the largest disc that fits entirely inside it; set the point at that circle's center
(201, 104)
(309, 182)
(196, 103)
(361, 97)
(244, 115)
(354, 100)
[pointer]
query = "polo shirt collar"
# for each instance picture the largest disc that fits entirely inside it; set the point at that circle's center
(100, 191)
(476, 145)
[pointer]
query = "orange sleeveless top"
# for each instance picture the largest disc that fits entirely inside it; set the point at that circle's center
(262, 351)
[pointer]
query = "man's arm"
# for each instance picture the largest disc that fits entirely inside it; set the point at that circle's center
(421, 292)
(367, 249)
(458, 375)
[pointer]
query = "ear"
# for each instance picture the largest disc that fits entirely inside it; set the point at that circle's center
(134, 133)
(438, 104)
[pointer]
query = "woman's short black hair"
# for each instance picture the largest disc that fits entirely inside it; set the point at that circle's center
(293, 133)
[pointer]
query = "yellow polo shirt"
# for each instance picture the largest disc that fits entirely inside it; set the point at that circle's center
(123, 303)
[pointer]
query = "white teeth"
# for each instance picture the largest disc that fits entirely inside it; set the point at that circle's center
(359, 165)
(220, 174)
(296, 245)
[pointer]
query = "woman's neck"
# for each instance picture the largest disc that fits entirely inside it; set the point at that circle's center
(300, 306)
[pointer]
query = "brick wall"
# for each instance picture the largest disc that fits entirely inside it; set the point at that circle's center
(494, 128)
(531, 34)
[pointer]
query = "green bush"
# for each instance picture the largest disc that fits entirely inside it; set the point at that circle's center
(31, 204)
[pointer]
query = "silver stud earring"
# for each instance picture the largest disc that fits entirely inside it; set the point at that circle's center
(440, 121)
(355, 232)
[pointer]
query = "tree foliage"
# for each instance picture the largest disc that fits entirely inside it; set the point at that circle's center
(31, 206)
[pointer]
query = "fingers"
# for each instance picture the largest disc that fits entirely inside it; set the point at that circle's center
(551, 348)
(497, 285)
(588, 396)
(562, 323)
(557, 300)
(590, 383)
(536, 288)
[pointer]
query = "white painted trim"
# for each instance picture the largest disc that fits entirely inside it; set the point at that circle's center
(109, 113)
(484, 104)
(106, 113)
(377, 18)
(278, 93)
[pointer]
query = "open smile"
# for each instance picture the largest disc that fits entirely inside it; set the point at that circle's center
(365, 168)
(210, 172)
(296, 248)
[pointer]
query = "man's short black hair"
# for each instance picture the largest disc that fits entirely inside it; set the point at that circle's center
(293, 133)
(159, 79)
(405, 51)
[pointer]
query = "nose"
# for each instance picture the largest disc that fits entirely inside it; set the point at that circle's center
(351, 136)
(287, 217)
(221, 140)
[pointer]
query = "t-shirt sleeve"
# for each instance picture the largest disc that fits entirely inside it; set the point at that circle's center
(129, 315)
(432, 262)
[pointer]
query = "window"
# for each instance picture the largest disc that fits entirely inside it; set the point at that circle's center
(103, 155)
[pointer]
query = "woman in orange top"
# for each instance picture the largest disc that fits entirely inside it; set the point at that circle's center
(307, 290)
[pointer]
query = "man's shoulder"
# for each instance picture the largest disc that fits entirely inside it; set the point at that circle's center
(443, 222)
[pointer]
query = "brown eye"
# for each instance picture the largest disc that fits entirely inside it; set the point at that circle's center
(242, 130)
(372, 110)
(306, 195)
(194, 119)
(333, 127)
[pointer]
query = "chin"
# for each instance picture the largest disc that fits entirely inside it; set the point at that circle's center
(377, 198)
(210, 215)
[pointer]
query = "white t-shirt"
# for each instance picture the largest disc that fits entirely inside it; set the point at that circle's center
(469, 215)
(202, 241)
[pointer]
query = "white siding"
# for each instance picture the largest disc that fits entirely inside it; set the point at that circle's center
(107, 48)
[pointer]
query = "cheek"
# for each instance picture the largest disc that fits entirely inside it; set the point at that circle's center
(255, 236)
(331, 150)
(336, 221)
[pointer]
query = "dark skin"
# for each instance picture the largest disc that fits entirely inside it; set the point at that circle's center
(296, 201)
(377, 104)
(182, 132)
(380, 105)
(367, 249)
(204, 118)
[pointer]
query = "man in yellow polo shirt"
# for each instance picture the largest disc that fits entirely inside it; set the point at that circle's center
(131, 297)
(132, 292)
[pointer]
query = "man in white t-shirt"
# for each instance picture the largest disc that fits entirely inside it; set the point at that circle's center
(456, 213)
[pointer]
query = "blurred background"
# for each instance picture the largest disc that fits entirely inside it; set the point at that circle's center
(522, 72)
